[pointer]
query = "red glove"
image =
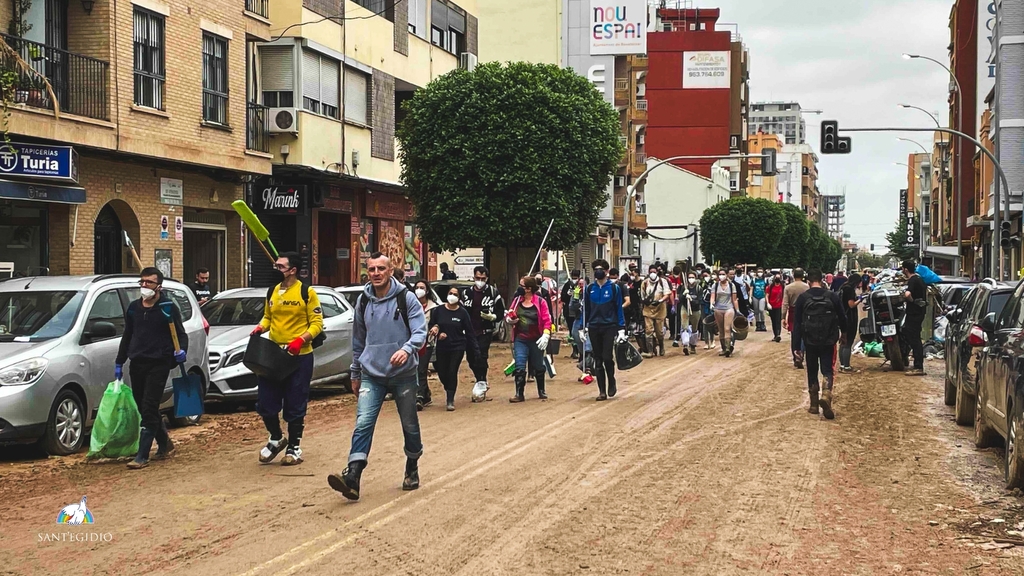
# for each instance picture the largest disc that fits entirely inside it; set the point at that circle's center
(256, 331)
(295, 346)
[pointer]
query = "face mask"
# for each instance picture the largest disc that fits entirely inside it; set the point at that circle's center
(653, 275)
(148, 293)
(453, 299)
(721, 277)
(759, 274)
(480, 284)
(421, 293)
(692, 279)
(600, 274)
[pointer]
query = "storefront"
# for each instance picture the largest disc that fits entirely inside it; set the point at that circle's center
(332, 255)
(388, 227)
(284, 211)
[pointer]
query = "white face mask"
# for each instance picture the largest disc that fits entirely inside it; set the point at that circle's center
(653, 275)
(148, 293)
(453, 299)
(691, 279)
(480, 284)
(721, 277)
(421, 293)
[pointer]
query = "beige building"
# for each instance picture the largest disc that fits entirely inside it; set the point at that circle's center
(759, 185)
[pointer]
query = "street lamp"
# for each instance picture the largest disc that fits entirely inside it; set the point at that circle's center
(923, 149)
(942, 173)
(960, 128)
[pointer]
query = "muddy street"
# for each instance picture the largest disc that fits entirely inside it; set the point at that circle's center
(701, 465)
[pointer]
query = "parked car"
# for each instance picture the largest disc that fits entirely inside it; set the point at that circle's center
(351, 293)
(953, 293)
(59, 337)
(999, 409)
(232, 316)
(964, 339)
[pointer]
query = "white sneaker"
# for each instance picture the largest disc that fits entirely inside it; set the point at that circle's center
(272, 449)
(292, 457)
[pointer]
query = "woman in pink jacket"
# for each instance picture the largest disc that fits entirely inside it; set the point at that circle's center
(530, 318)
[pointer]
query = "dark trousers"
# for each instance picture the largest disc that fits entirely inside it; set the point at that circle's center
(290, 395)
(447, 366)
(674, 323)
(570, 321)
(602, 341)
(423, 389)
(149, 378)
(480, 364)
(821, 358)
(776, 315)
(911, 334)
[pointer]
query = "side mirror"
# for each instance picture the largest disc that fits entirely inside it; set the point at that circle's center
(988, 323)
(101, 330)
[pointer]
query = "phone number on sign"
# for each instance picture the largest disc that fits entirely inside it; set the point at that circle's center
(706, 74)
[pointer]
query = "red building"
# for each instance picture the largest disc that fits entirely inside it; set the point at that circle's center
(688, 100)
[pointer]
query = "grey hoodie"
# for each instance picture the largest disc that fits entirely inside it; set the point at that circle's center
(372, 349)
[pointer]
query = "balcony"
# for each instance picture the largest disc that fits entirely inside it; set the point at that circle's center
(79, 82)
(640, 110)
(621, 91)
(639, 62)
(257, 136)
(258, 7)
(639, 161)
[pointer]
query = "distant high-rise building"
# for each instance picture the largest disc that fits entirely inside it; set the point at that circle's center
(782, 118)
(833, 214)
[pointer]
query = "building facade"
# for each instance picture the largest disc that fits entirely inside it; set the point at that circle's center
(761, 186)
(782, 118)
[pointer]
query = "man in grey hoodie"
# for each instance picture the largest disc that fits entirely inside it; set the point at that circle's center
(389, 330)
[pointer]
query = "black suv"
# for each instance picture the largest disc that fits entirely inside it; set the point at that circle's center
(999, 410)
(964, 339)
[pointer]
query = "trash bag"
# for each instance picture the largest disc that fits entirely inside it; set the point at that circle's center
(941, 325)
(480, 391)
(627, 356)
(115, 433)
(928, 275)
(873, 349)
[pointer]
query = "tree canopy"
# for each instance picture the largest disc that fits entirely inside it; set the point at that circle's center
(897, 242)
(491, 156)
(793, 245)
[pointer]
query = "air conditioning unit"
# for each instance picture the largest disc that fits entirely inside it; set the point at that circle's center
(467, 61)
(620, 181)
(283, 120)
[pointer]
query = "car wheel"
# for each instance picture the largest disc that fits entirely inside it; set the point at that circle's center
(65, 429)
(984, 435)
(1014, 448)
(950, 396)
(965, 406)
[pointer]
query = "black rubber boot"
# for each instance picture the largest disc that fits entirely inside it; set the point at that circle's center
(540, 375)
(412, 475)
(520, 377)
(348, 481)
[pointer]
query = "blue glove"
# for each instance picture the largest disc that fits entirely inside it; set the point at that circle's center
(118, 371)
(179, 356)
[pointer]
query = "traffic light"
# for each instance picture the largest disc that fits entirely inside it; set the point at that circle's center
(768, 165)
(872, 247)
(831, 142)
(1004, 234)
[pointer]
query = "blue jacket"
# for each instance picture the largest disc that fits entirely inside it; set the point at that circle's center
(603, 305)
(372, 349)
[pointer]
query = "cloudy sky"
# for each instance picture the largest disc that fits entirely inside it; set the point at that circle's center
(844, 57)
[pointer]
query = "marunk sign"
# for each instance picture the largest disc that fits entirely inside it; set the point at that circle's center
(283, 199)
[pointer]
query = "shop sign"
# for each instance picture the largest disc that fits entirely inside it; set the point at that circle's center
(704, 69)
(335, 201)
(904, 202)
(41, 192)
(39, 161)
(388, 206)
(618, 27)
(282, 200)
(172, 191)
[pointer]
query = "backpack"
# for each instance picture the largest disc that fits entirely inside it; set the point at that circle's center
(575, 302)
(819, 323)
(304, 290)
(403, 307)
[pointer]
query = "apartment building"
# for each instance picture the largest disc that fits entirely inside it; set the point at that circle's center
(783, 118)
(332, 90)
(761, 186)
(132, 120)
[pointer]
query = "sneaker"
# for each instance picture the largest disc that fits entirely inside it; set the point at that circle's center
(166, 452)
(915, 372)
(272, 449)
(450, 407)
(777, 339)
(137, 464)
(292, 456)
(675, 343)
(647, 355)
(728, 353)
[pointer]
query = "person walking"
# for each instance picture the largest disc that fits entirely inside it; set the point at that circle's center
(656, 293)
(848, 296)
(606, 326)
(726, 305)
(293, 317)
(485, 307)
(775, 296)
(916, 296)
(201, 287)
(758, 290)
(838, 281)
(452, 326)
(819, 318)
(426, 299)
(676, 311)
(148, 347)
(447, 274)
(531, 331)
(789, 297)
(388, 331)
(708, 310)
(691, 303)
(572, 307)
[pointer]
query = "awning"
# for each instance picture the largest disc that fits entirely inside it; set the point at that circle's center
(14, 190)
(941, 251)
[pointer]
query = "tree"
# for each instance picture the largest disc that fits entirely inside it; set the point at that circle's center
(793, 245)
(868, 260)
(897, 242)
(491, 156)
(742, 230)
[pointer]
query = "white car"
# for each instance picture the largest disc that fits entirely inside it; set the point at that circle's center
(233, 315)
(351, 293)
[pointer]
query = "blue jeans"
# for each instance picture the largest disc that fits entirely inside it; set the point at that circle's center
(527, 353)
(371, 398)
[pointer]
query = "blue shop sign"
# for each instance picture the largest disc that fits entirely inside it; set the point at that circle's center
(39, 161)
(12, 190)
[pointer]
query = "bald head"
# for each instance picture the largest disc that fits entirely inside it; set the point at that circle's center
(378, 266)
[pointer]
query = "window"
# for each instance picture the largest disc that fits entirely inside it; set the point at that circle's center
(375, 6)
(448, 27)
(356, 96)
(1010, 318)
(331, 307)
(277, 64)
(106, 308)
(418, 17)
(215, 79)
(148, 42)
(320, 84)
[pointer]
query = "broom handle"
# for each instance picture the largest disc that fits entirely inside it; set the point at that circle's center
(265, 251)
(177, 347)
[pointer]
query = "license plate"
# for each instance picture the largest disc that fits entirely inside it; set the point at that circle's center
(888, 330)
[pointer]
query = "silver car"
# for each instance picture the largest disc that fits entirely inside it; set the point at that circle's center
(233, 315)
(59, 337)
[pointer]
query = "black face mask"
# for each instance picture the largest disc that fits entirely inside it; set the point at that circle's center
(600, 274)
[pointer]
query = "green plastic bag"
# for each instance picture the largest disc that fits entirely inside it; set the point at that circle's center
(115, 433)
(873, 349)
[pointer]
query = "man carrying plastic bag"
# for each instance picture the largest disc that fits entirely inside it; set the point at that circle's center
(115, 433)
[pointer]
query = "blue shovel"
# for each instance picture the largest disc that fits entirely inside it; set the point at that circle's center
(188, 388)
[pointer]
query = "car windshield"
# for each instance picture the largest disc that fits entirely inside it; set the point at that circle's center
(38, 315)
(234, 311)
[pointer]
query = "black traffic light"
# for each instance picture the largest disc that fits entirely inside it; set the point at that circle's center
(872, 247)
(1004, 234)
(831, 142)
(769, 167)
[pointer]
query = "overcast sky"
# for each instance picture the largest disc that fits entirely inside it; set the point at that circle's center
(844, 57)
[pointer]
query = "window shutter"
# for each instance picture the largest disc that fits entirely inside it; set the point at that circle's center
(329, 82)
(311, 75)
(355, 96)
(438, 15)
(276, 62)
(457, 21)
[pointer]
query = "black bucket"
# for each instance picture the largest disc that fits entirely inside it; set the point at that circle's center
(268, 360)
(554, 346)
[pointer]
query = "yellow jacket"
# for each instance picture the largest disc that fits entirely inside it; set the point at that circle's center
(288, 317)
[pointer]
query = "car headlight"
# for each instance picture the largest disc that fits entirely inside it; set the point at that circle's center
(24, 372)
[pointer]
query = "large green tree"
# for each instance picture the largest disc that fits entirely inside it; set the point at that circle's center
(491, 156)
(742, 230)
(793, 245)
(897, 242)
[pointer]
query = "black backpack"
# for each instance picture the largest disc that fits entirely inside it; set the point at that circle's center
(819, 326)
(304, 290)
(403, 307)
